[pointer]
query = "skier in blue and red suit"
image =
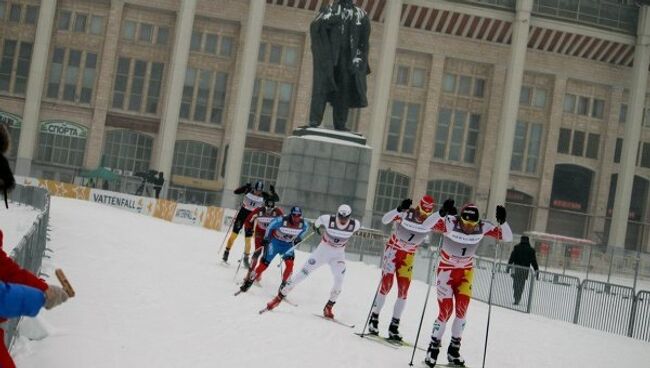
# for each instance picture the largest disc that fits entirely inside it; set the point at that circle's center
(281, 235)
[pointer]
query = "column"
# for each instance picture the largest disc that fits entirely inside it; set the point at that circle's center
(164, 151)
(379, 109)
(427, 132)
(247, 72)
(550, 153)
(515, 74)
(103, 92)
(632, 133)
(35, 85)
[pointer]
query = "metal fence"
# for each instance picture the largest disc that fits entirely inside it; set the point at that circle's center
(557, 292)
(31, 248)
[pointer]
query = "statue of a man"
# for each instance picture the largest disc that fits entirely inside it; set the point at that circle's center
(339, 45)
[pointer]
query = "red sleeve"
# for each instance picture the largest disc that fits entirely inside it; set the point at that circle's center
(279, 211)
(10, 271)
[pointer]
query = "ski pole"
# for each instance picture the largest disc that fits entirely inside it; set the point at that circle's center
(223, 242)
(426, 299)
(238, 266)
(487, 327)
(381, 279)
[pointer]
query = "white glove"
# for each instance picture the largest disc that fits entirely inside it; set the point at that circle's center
(54, 296)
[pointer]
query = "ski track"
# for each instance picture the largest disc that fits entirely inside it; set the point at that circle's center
(150, 293)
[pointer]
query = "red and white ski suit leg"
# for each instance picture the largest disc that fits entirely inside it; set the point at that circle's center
(454, 286)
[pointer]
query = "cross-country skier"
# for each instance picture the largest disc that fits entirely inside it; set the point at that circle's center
(254, 198)
(280, 237)
(462, 236)
(335, 231)
(260, 220)
(412, 225)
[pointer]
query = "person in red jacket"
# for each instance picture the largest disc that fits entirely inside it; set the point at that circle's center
(10, 271)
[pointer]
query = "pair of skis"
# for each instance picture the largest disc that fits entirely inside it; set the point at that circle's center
(396, 344)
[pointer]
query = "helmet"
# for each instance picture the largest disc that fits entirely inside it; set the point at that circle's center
(259, 186)
(469, 214)
(269, 203)
(344, 211)
(426, 204)
(296, 211)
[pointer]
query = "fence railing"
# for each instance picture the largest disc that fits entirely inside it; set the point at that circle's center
(556, 293)
(29, 251)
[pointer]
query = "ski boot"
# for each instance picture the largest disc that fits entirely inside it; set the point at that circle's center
(432, 353)
(393, 330)
(373, 324)
(275, 302)
(246, 263)
(453, 353)
(327, 311)
(248, 282)
(226, 253)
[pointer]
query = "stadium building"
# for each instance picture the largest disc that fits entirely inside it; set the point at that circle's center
(118, 83)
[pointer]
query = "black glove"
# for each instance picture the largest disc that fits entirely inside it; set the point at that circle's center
(501, 214)
(272, 188)
(405, 205)
(248, 186)
(265, 242)
(296, 241)
(448, 208)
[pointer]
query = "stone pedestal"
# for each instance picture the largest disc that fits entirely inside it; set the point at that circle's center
(318, 173)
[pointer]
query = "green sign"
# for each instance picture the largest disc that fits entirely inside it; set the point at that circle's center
(65, 128)
(10, 120)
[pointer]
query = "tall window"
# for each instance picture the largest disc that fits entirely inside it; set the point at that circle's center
(392, 188)
(127, 150)
(196, 103)
(195, 159)
(137, 81)
(457, 135)
(403, 127)
(271, 106)
(80, 22)
(14, 66)
(526, 147)
(260, 165)
(62, 143)
(72, 75)
(442, 190)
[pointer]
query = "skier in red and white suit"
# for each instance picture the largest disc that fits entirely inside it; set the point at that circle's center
(259, 220)
(412, 225)
(462, 236)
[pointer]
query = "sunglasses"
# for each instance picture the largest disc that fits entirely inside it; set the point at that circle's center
(469, 222)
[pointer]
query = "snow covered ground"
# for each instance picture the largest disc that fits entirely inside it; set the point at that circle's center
(15, 222)
(150, 293)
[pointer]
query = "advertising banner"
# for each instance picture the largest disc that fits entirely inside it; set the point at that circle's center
(189, 214)
(124, 201)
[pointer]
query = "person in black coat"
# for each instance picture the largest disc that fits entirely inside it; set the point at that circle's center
(523, 255)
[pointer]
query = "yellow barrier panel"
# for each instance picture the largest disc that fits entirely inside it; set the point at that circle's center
(164, 209)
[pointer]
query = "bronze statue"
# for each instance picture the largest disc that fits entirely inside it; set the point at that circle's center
(339, 45)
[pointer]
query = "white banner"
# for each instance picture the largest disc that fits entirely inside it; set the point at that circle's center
(189, 214)
(143, 205)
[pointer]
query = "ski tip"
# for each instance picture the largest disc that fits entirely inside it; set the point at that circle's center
(263, 310)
